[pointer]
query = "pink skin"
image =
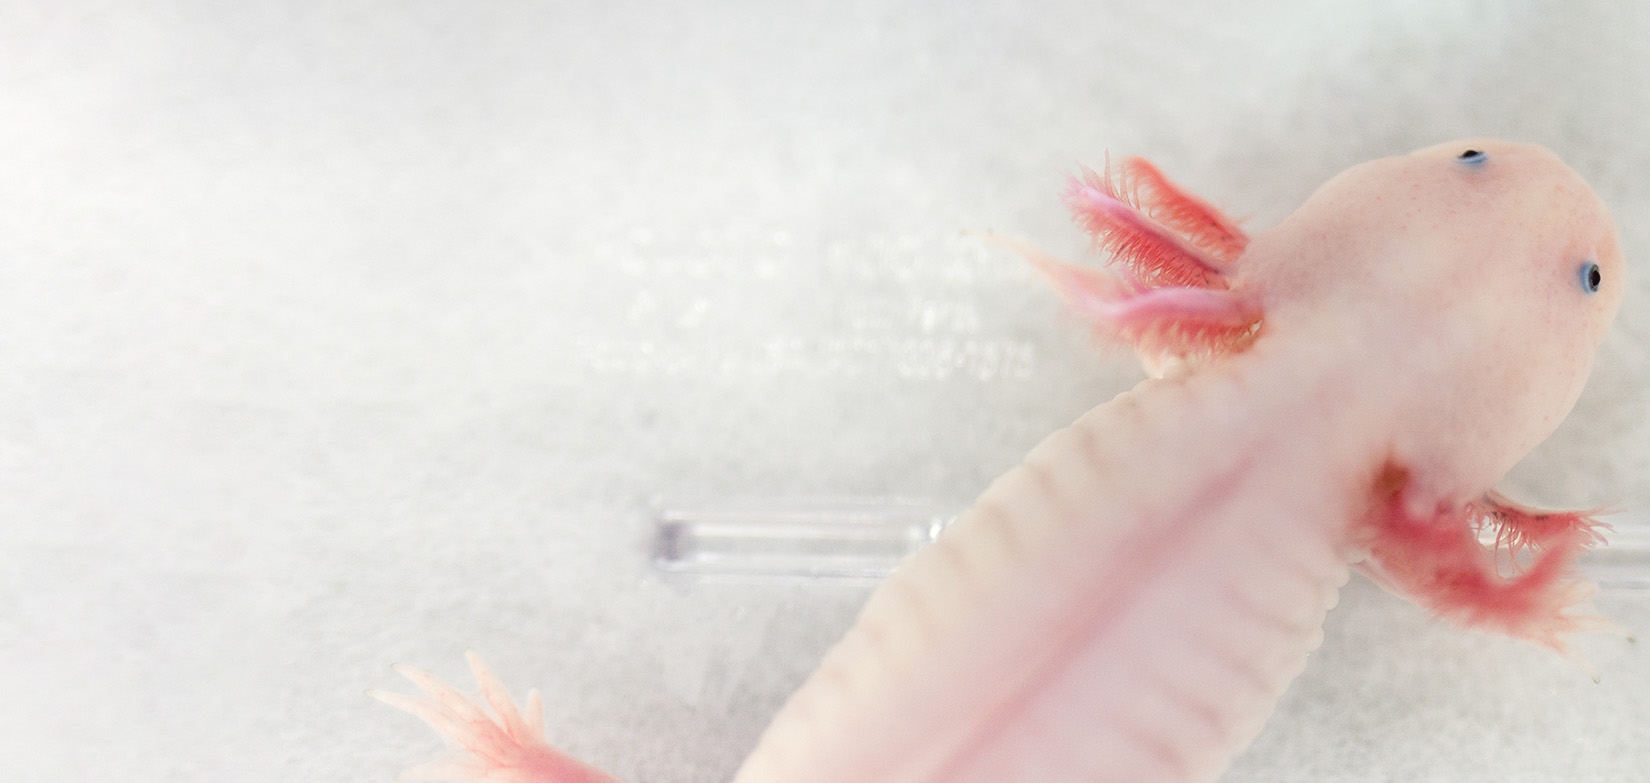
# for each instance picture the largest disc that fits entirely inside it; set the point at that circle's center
(1127, 605)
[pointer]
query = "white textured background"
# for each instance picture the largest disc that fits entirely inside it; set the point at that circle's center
(338, 334)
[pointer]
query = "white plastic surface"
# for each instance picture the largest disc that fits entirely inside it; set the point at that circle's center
(339, 334)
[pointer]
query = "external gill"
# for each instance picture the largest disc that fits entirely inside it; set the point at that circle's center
(1441, 563)
(1142, 185)
(1170, 297)
(1151, 253)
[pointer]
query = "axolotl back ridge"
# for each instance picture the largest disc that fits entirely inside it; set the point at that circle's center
(1341, 391)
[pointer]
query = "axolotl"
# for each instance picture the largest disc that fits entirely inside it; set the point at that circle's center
(1339, 392)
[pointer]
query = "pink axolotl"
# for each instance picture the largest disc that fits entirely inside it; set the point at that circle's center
(1127, 605)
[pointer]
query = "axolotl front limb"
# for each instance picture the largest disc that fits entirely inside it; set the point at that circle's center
(1341, 391)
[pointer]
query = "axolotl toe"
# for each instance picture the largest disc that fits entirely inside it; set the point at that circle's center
(1341, 391)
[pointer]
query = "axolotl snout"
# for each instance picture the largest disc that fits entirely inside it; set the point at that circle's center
(1342, 391)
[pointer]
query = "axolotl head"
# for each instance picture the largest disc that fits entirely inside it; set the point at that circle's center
(1480, 274)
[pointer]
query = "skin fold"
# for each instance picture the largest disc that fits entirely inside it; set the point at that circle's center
(1340, 392)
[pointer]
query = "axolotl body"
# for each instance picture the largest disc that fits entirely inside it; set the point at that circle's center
(1342, 391)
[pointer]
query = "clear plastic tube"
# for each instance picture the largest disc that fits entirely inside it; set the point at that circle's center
(864, 539)
(1623, 563)
(839, 539)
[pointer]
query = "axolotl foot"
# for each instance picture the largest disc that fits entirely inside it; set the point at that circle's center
(507, 746)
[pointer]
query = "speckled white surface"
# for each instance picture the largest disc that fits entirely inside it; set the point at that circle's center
(338, 334)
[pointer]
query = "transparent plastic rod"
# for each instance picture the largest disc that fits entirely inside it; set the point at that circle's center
(837, 539)
(864, 539)
(1623, 563)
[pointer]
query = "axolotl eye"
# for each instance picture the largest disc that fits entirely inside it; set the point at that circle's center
(1591, 277)
(1472, 156)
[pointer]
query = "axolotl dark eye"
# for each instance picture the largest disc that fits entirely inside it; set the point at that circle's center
(1591, 277)
(1472, 156)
